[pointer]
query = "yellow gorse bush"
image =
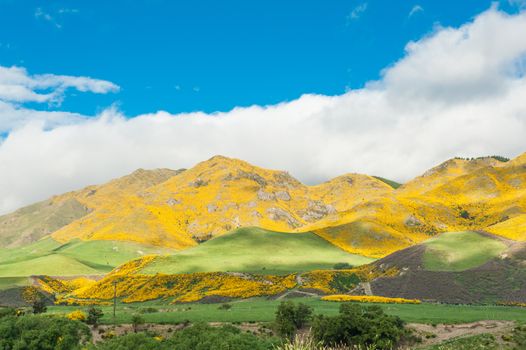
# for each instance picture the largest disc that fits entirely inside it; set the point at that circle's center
(77, 315)
(178, 288)
(369, 299)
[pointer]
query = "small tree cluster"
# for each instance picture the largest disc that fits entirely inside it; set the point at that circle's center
(359, 326)
(291, 317)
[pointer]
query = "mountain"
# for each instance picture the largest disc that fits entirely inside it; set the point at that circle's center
(360, 214)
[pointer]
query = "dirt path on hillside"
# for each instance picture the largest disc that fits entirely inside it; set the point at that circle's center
(296, 290)
(436, 334)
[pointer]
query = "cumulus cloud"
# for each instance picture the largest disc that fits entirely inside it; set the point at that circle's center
(457, 92)
(16, 85)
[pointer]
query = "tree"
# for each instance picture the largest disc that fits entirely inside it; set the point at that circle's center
(39, 306)
(290, 318)
(359, 326)
(94, 315)
(342, 266)
(137, 320)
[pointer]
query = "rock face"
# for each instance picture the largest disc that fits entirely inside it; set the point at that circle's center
(316, 210)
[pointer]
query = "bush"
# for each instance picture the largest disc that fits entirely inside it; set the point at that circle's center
(225, 306)
(134, 341)
(148, 310)
(359, 326)
(291, 317)
(7, 311)
(342, 266)
(39, 306)
(77, 315)
(203, 337)
(94, 315)
(137, 320)
(42, 333)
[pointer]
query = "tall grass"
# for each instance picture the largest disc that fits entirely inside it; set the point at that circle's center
(304, 342)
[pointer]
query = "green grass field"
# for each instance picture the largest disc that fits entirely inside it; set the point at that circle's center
(259, 251)
(49, 257)
(459, 251)
(262, 310)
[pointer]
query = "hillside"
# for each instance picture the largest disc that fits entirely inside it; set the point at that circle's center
(360, 214)
(257, 251)
(49, 257)
(461, 267)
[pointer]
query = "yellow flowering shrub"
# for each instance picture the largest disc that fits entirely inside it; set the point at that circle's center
(77, 315)
(64, 300)
(511, 303)
(133, 266)
(183, 287)
(326, 281)
(369, 299)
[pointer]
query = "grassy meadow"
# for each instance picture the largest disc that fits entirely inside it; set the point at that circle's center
(257, 250)
(263, 310)
(49, 257)
(459, 251)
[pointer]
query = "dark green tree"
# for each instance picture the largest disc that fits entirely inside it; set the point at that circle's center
(137, 320)
(291, 317)
(94, 315)
(359, 326)
(39, 306)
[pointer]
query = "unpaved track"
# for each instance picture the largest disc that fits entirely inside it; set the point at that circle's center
(445, 332)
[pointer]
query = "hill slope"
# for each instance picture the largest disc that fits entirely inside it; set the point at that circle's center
(358, 213)
(462, 267)
(49, 257)
(255, 250)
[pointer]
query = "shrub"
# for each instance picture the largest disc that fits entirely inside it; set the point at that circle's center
(291, 317)
(203, 337)
(148, 310)
(7, 311)
(42, 333)
(134, 341)
(225, 306)
(94, 315)
(342, 266)
(39, 306)
(77, 315)
(137, 320)
(359, 326)
(464, 214)
(369, 299)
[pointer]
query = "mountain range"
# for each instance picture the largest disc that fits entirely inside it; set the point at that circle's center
(361, 214)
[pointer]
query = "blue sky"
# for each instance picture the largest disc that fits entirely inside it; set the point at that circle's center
(93, 90)
(211, 55)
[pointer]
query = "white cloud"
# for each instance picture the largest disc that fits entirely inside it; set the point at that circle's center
(459, 91)
(416, 9)
(16, 85)
(357, 11)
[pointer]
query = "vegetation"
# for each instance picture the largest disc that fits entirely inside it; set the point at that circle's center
(359, 326)
(94, 316)
(369, 299)
(342, 266)
(42, 333)
(263, 310)
(48, 257)
(276, 252)
(459, 251)
(291, 317)
(391, 183)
